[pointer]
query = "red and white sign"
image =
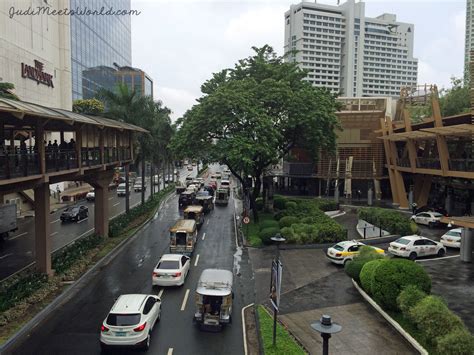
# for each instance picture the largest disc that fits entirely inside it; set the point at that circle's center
(246, 220)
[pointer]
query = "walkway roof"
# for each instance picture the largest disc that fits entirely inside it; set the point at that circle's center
(20, 109)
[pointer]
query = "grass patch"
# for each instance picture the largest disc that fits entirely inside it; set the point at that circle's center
(285, 344)
(252, 229)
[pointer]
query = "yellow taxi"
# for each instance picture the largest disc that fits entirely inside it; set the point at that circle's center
(343, 252)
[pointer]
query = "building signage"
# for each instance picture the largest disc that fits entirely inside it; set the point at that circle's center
(37, 74)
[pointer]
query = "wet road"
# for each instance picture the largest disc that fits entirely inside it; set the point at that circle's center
(74, 327)
(19, 250)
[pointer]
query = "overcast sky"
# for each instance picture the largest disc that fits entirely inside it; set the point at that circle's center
(180, 43)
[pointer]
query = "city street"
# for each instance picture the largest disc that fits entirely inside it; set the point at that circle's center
(74, 327)
(19, 250)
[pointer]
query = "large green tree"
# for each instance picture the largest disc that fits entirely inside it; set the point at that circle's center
(6, 91)
(455, 100)
(252, 115)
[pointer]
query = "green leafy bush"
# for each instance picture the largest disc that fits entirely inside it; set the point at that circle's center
(457, 342)
(279, 202)
(367, 274)
(67, 257)
(259, 203)
(268, 223)
(288, 234)
(327, 205)
(409, 298)
(354, 267)
(433, 318)
(290, 205)
(20, 288)
(280, 214)
(267, 233)
(389, 220)
(391, 277)
(287, 221)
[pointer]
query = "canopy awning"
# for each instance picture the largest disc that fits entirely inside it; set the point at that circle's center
(456, 130)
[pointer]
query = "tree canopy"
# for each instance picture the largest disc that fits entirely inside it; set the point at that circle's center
(88, 106)
(252, 115)
(6, 91)
(455, 100)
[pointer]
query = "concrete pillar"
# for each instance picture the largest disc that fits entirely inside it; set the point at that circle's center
(101, 210)
(42, 229)
(411, 198)
(370, 195)
(466, 245)
(448, 203)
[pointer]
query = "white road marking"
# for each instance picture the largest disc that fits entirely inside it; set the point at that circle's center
(82, 220)
(435, 259)
(207, 222)
(111, 198)
(54, 233)
(118, 203)
(183, 306)
(160, 294)
(197, 259)
(203, 235)
(170, 351)
(6, 255)
(18, 236)
(55, 221)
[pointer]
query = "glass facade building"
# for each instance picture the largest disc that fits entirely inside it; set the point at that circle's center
(97, 42)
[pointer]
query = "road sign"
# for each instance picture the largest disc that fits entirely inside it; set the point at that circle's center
(246, 220)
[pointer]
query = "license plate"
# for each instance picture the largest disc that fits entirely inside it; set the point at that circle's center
(120, 334)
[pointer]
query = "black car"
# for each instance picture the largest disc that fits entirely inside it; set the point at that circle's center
(75, 213)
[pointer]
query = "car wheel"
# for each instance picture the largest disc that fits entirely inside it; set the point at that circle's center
(412, 256)
(346, 261)
(441, 253)
(146, 344)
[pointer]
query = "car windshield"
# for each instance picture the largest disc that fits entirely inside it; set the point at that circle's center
(402, 241)
(338, 247)
(168, 265)
(123, 319)
(453, 234)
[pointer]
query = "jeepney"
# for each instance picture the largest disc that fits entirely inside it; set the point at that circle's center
(196, 213)
(180, 188)
(214, 299)
(206, 201)
(186, 198)
(183, 237)
(222, 197)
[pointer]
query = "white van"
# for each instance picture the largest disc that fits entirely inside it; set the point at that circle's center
(122, 189)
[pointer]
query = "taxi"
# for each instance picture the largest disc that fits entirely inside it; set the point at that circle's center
(343, 252)
(413, 246)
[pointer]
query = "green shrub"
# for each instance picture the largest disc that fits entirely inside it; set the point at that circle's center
(20, 288)
(290, 205)
(268, 223)
(391, 277)
(287, 221)
(279, 202)
(457, 342)
(433, 318)
(280, 214)
(267, 233)
(389, 220)
(259, 204)
(354, 267)
(367, 274)
(68, 256)
(288, 234)
(409, 298)
(331, 233)
(327, 205)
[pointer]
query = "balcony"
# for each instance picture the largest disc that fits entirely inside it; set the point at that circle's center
(298, 168)
(16, 163)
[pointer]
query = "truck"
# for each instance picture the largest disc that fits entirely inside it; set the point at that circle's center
(7, 220)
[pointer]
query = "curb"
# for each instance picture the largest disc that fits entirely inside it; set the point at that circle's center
(392, 322)
(75, 287)
(244, 330)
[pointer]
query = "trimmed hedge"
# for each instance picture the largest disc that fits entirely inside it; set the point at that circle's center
(279, 202)
(458, 341)
(434, 319)
(409, 298)
(267, 233)
(367, 274)
(354, 267)
(389, 220)
(259, 203)
(269, 223)
(391, 277)
(287, 221)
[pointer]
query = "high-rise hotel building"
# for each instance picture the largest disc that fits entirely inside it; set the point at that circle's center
(347, 52)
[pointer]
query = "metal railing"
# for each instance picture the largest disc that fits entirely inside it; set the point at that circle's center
(461, 164)
(18, 163)
(428, 163)
(64, 159)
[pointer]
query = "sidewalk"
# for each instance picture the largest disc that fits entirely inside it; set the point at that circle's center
(311, 287)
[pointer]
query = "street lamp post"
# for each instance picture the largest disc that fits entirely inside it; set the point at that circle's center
(326, 327)
(277, 239)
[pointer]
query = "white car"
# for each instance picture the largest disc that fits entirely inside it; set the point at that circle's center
(90, 196)
(431, 219)
(225, 184)
(452, 238)
(138, 186)
(413, 246)
(171, 270)
(122, 189)
(130, 321)
(213, 178)
(193, 188)
(343, 252)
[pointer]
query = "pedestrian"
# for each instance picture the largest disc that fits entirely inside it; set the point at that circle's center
(413, 206)
(58, 192)
(359, 194)
(55, 144)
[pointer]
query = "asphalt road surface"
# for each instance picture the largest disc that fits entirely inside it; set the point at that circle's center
(19, 250)
(74, 327)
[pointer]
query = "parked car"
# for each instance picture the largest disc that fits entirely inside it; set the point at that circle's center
(441, 210)
(90, 196)
(413, 246)
(130, 321)
(343, 252)
(138, 186)
(452, 238)
(431, 219)
(171, 270)
(75, 213)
